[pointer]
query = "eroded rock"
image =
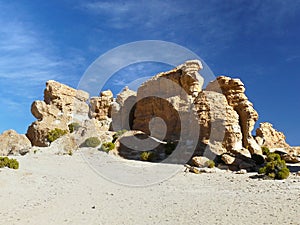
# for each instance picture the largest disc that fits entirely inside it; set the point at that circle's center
(164, 102)
(62, 105)
(234, 91)
(12, 143)
(122, 110)
(100, 106)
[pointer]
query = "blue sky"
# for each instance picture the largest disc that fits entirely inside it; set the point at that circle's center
(256, 41)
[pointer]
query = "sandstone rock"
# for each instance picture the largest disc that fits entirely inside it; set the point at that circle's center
(13, 143)
(61, 106)
(66, 144)
(200, 161)
(168, 96)
(234, 90)
(93, 128)
(239, 161)
(100, 106)
(219, 124)
(122, 111)
(270, 137)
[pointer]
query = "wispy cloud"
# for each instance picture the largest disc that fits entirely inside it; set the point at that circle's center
(27, 60)
(122, 14)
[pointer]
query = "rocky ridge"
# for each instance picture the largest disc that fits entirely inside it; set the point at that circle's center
(216, 122)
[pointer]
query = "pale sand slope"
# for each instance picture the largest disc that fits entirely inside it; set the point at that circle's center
(52, 189)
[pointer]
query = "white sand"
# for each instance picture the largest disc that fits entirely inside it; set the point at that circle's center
(52, 189)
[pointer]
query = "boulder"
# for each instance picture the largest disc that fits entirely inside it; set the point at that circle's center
(200, 161)
(239, 162)
(131, 144)
(12, 143)
(267, 136)
(234, 91)
(61, 106)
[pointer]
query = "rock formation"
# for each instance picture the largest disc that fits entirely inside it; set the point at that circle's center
(100, 106)
(12, 143)
(234, 91)
(168, 96)
(122, 110)
(170, 109)
(61, 106)
(219, 124)
(267, 136)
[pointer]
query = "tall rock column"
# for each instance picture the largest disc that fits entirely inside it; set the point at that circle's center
(234, 91)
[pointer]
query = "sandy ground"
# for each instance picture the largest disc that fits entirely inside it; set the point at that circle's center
(56, 189)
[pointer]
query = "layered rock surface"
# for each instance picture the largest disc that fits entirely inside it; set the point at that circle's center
(234, 91)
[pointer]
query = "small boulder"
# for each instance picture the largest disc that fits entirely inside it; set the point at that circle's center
(13, 143)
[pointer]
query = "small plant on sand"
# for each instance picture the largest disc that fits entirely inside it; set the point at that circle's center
(275, 167)
(55, 134)
(118, 134)
(210, 164)
(73, 127)
(169, 148)
(147, 156)
(92, 142)
(108, 146)
(10, 163)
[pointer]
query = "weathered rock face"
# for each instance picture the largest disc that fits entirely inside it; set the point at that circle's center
(167, 96)
(100, 106)
(13, 143)
(234, 91)
(122, 110)
(219, 124)
(267, 136)
(61, 106)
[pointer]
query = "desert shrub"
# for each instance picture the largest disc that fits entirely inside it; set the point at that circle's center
(55, 134)
(147, 156)
(92, 142)
(73, 127)
(265, 150)
(169, 148)
(118, 134)
(10, 163)
(210, 164)
(108, 146)
(275, 167)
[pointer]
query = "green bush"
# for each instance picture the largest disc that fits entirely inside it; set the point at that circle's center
(265, 150)
(275, 167)
(92, 142)
(118, 134)
(73, 127)
(147, 156)
(108, 146)
(55, 134)
(10, 163)
(210, 164)
(169, 148)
